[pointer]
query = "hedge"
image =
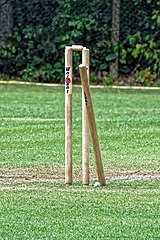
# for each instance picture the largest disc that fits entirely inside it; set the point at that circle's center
(42, 29)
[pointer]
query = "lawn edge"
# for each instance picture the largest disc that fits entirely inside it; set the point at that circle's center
(14, 82)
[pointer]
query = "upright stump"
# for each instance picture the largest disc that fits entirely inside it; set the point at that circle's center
(85, 125)
(68, 115)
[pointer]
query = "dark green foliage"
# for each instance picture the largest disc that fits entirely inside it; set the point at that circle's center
(42, 29)
(140, 47)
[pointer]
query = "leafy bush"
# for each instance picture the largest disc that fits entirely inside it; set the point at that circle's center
(140, 53)
(42, 29)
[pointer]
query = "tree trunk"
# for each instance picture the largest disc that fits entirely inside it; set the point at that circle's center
(115, 35)
(6, 19)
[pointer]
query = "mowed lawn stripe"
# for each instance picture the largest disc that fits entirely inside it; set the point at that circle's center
(67, 215)
(128, 125)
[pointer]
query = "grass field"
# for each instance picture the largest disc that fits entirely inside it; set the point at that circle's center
(35, 203)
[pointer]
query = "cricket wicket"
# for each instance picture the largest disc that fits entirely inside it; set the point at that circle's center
(85, 116)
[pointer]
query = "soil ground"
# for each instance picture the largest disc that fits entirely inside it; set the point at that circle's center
(26, 178)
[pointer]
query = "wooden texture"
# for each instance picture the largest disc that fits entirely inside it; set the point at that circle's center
(68, 115)
(92, 124)
(77, 47)
(85, 125)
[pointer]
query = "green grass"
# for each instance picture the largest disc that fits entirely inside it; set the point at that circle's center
(32, 136)
(128, 124)
(80, 215)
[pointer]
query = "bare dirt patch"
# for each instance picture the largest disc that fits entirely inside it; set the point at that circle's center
(10, 177)
(31, 175)
(132, 175)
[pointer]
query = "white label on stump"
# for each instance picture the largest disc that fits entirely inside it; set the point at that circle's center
(68, 79)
